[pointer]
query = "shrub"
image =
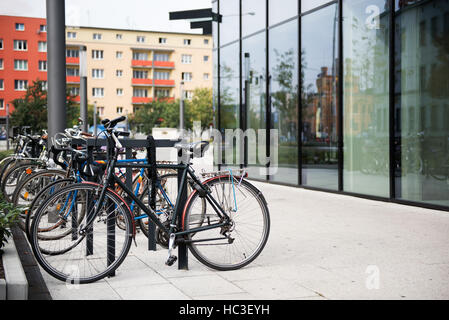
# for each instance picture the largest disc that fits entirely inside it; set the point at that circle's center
(8, 216)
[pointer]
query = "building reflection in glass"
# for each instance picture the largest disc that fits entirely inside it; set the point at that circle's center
(318, 94)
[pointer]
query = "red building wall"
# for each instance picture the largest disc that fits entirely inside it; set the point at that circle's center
(32, 35)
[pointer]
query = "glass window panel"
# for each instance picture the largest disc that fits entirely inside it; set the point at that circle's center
(215, 25)
(422, 101)
(366, 97)
(253, 16)
(319, 98)
(307, 5)
(254, 59)
(229, 94)
(280, 10)
(283, 63)
(230, 26)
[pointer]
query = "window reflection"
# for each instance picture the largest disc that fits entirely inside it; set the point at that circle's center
(318, 94)
(230, 25)
(284, 98)
(253, 90)
(253, 16)
(422, 104)
(307, 5)
(280, 10)
(366, 97)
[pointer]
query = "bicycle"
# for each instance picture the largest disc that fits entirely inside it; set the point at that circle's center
(217, 236)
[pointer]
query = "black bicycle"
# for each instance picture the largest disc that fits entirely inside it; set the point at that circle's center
(226, 234)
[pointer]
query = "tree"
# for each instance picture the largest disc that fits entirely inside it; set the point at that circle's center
(31, 110)
(200, 107)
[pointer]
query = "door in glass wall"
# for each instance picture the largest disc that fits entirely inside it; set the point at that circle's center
(283, 67)
(229, 99)
(319, 98)
(422, 100)
(366, 97)
(254, 100)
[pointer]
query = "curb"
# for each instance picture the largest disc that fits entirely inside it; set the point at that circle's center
(16, 281)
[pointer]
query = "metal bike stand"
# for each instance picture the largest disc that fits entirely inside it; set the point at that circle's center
(183, 261)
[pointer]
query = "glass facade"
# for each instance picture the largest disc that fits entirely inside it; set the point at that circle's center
(348, 95)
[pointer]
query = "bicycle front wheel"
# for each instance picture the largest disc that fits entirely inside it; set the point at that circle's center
(238, 243)
(82, 257)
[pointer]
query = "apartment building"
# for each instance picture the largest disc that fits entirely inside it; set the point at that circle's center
(125, 68)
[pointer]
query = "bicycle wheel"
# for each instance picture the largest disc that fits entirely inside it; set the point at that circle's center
(27, 190)
(237, 244)
(82, 257)
(15, 175)
(40, 198)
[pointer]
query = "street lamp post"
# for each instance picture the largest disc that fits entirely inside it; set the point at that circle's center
(7, 126)
(181, 111)
(83, 87)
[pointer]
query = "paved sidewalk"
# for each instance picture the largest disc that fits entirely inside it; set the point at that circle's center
(321, 246)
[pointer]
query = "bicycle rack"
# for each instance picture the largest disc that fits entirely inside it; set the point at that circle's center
(129, 145)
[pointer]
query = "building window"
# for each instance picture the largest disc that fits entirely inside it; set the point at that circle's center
(20, 85)
(1, 84)
(140, 56)
(97, 36)
(71, 35)
(187, 42)
(119, 110)
(140, 74)
(42, 46)
(97, 54)
(1, 44)
(162, 93)
(161, 57)
(205, 76)
(119, 54)
(120, 92)
(42, 65)
(206, 41)
(2, 104)
(98, 92)
(20, 26)
(74, 91)
(101, 111)
(161, 75)
(72, 72)
(20, 45)
(1, 63)
(98, 73)
(205, 58)
(43, 28)
(143, 93)
(119, 73)
(186, 76)
(44, 85)
(186, 59)
(188, 94)
(140, 39)
(21, 65)
(118, 36)
(72, 53)
(162, 40)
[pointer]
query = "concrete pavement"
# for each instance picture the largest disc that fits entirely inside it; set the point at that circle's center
(321, 246)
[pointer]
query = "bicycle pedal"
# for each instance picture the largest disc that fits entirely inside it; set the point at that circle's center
(171, 260)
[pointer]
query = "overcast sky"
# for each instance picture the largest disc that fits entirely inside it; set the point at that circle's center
(121, 14)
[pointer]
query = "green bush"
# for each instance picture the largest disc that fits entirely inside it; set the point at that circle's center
(8, 216)
(5, 153)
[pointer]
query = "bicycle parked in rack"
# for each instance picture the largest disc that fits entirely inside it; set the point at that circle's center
(227, 234)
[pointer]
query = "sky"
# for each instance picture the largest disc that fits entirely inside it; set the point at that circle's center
(120, 14)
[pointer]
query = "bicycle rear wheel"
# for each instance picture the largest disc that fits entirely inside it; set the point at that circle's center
(237, 244)
(82, 257)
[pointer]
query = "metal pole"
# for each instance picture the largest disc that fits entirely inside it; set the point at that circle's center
(95, 118)
(56, 75)
(181, 111)
(7, 126)
(83, 88)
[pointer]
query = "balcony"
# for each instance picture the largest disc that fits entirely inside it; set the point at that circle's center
(72, 60)
(141, 100)
(142, 63)
(141, 82)
(164, 83)
(164, 64)
(72, 79)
